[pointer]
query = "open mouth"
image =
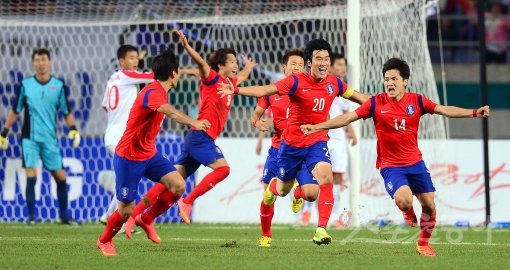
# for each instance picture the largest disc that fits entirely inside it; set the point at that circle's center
(391, 90)
(323, 70)
(234, 72)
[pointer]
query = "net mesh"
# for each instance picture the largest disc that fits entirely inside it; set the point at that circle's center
(83, 39)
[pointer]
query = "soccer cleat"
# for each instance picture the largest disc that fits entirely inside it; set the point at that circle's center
(410, 219)
(103, 219)
(108, 249)
(269, 198)
(427, 250)
(129, 227)
(184, 211)
(297, 204)
(149, 229)
(322, 237)
(67, 221)
(264, 241)
(30, 221)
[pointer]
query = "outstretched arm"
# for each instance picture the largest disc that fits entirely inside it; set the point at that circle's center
(358, 97)
(337, 122)
(249, 64)
(457, 112)
(203, 67)
(252, 91)
(183, 118)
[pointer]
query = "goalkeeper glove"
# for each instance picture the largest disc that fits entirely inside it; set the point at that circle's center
(4, 143)
(75, 136)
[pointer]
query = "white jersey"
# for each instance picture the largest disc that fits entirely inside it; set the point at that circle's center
(120, 94)
(338, 107)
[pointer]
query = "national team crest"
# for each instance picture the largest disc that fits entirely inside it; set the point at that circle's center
(282, 172)
(329, 88)
(264, 174)
(410, 109)
(389, 186)
(124, 192)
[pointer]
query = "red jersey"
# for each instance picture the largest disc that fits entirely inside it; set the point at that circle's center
(396, 126)
(310, 101)
(138, 142)
(214, 108)
(280, 108)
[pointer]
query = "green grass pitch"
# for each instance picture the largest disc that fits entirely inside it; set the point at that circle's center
(202, 246)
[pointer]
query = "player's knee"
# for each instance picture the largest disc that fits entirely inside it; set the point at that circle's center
(429, 208)
(125, 212)
(311, 197)
(405, 203)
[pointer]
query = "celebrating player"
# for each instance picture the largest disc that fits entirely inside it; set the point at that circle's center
(136, 154)
(199, 146)
(396, 115)
(120, 94)
(292, 63)
(310, 95)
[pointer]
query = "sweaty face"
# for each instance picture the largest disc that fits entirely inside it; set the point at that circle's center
(319, 64)
(339, 68)
(294, 65)
(130, 61)
(394, 84)
(42, 64)
(230, 68)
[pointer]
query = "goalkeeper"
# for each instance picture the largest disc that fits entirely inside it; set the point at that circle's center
(42, 95)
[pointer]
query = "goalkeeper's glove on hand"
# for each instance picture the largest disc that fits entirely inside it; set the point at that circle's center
(75, 136)
(4, 143)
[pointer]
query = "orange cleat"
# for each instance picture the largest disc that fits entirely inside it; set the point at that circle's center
(184, 211)
(149, 229)
(108, 249)
(129, 226)
(427, 250)
(410, 219)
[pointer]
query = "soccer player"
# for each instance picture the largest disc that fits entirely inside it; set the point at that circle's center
(42, 96)
(292, 63)
(396, 115)
(337, 144)
(121, 91)
(199, 146)
(136, 154)
(310, 95)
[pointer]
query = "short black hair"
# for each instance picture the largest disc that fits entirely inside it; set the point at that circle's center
(40, 51)
(219, 57)
(124, 49)
(336, 56)
(164, 64)
(293, 52)
(314, 45)
(398, 64)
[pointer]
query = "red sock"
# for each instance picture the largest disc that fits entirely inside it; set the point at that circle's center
(209, 181)
(325, 204)
(266, 216)
(427, 224)
(298, 193)
(408, 212)
(148, 199)
(164, 201)
(272, 187)
(113, 225)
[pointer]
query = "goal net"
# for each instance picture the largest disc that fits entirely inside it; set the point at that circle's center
(83, 39)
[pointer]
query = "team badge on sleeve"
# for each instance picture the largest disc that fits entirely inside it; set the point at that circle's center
(329, 88)
(410, 109)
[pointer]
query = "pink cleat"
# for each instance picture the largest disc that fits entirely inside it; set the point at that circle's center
(184, 211)
(149, 229)
(108, 249)
(129, 226)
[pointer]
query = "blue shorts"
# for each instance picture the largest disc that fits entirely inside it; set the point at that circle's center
(199, 149)
(291, 159)
(48, 151)
(304, 177)
(416, 176)
(128, 174)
